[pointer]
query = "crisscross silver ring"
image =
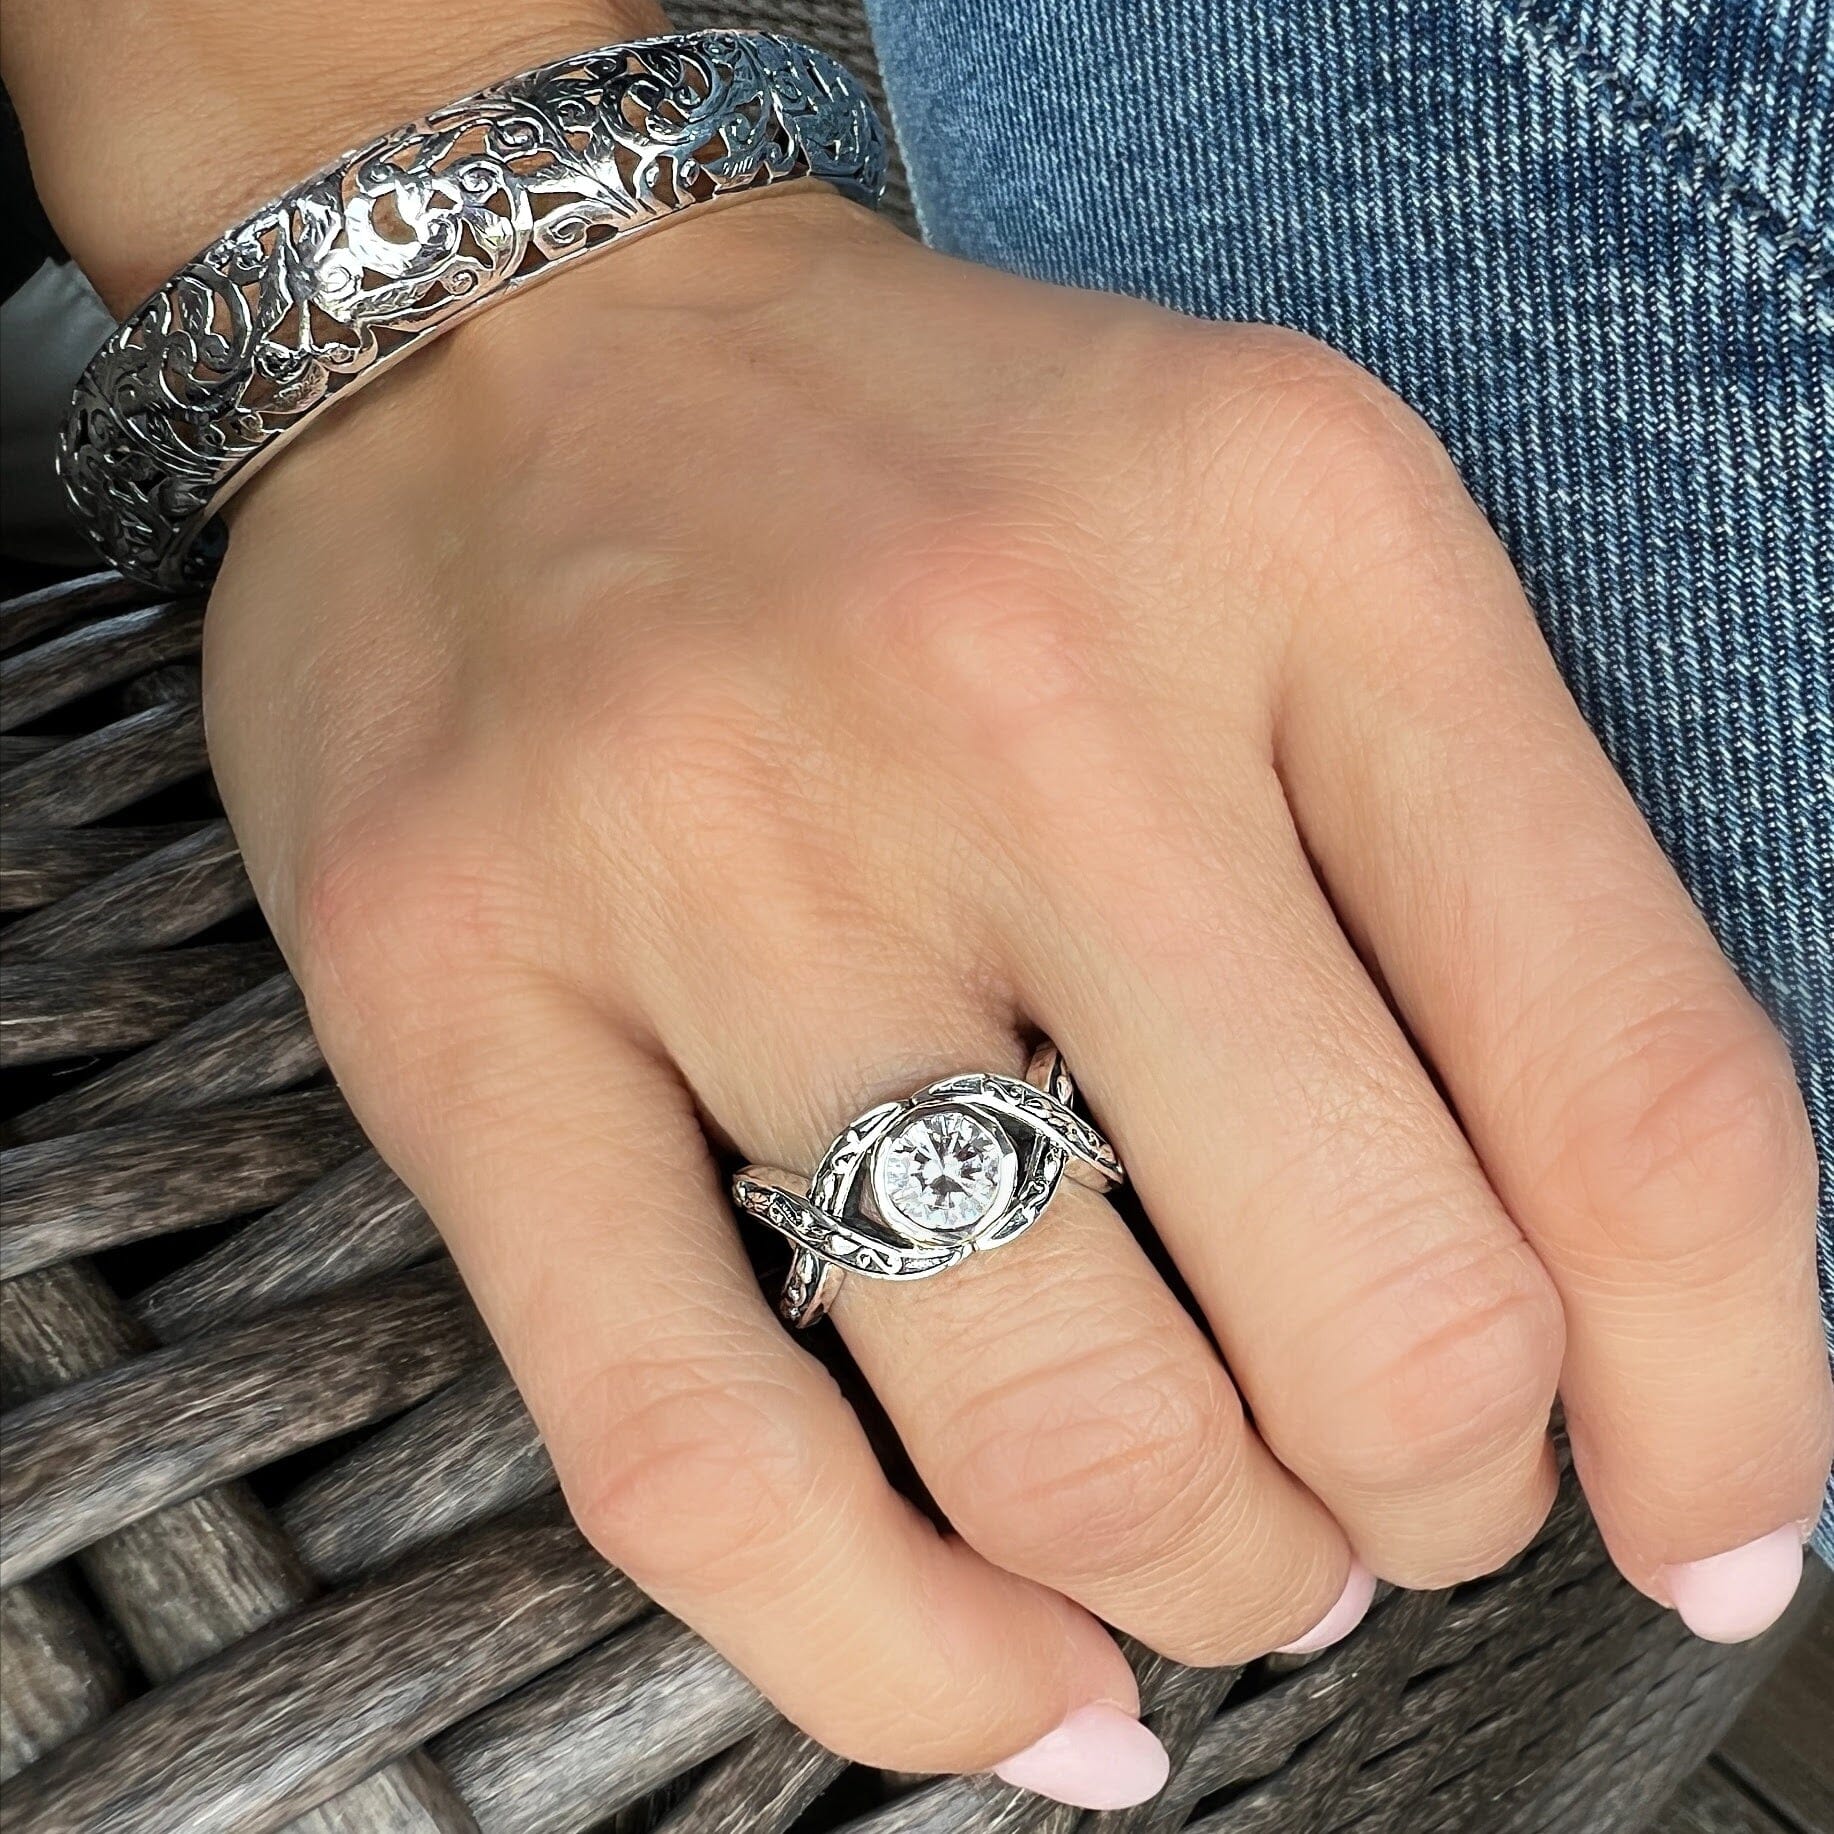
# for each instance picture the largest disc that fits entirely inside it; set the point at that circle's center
(911, 1188)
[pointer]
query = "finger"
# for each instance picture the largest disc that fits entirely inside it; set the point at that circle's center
(700, 1449)
(1064, 1410)
(1394, 1336)
(1094, 1442)
(1629, 1101)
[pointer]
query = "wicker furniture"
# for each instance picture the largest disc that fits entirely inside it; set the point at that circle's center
(280, 1545)
(279, 1537)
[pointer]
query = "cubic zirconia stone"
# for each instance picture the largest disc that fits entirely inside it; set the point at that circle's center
(942, 1171)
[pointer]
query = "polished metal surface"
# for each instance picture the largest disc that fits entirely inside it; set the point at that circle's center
(400, 239)
(1008, 1141)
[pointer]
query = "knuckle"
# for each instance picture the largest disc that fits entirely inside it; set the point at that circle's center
(1096, 1466)
(1366, 443)
(1691, 1141)
(1341, 480)
(1465, 1377)
(387, 900)
(349, 891)
(1350, 427)
(692, 1486)
(996, 637)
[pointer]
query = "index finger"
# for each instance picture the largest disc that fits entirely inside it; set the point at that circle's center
(699, 1448)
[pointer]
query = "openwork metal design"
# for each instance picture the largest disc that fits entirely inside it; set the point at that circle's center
(913, 1187)
(400, 239)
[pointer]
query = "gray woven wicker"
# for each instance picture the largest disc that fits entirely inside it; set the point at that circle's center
(281, 1548)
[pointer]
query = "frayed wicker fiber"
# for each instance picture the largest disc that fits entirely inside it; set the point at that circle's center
(281, 1547)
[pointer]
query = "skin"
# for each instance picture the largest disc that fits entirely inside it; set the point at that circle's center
(653, 720)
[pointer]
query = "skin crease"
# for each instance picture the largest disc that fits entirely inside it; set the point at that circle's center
(774, 665)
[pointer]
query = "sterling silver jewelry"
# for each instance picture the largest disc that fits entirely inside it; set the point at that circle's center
(913, 1187)
(398, 240)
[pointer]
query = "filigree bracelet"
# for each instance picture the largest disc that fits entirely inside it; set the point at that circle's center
(397, 241)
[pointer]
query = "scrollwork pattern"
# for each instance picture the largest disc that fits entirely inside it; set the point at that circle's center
(834, 1228)
(403, 237)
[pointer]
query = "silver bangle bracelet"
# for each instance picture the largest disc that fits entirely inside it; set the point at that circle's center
(398, 240)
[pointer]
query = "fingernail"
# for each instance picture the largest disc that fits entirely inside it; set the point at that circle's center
(1099, 1758)
(1732, 1597)
(1343, 1617)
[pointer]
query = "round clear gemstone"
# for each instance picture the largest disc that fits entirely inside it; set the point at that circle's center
(941, 1171)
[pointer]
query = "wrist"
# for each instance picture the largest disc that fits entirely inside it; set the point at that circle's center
(525, 363)
(151, 127)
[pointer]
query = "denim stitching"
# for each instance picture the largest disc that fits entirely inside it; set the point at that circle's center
(1703, 166)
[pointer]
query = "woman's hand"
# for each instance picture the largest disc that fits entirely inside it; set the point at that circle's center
(773, 666)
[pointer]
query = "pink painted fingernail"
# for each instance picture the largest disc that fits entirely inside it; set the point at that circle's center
(1732, 1597)
(1343, 1617)
(1099, 1758)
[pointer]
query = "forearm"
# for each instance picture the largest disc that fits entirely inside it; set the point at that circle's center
(152, 124)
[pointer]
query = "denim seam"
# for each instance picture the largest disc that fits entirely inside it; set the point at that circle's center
(1693, 157)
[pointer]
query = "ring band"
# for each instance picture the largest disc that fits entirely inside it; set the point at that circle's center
(911, 1188)
(397, 241)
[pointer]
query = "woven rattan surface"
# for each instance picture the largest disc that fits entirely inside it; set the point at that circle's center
(281, 1548)
(281, 1545)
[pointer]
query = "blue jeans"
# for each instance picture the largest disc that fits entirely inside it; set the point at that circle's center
(1592, 241)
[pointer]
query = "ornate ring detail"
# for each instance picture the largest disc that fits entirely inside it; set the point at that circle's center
(913, 1187)
(400, 239)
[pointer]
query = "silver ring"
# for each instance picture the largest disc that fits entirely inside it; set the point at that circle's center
(911, 1188)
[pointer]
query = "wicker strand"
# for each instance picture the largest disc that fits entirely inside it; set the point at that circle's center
(759, 1787)
(227, 1748)
(164, 897)
(468, 1453)
(258, 1043)
(600, 1732)
(198, 1575)
(84, 1192)
(33, 617)
(96, 655)
(106, 771)
(52, 1010)
(59, 1676)
(40, 865)
(189, 1580)
(97, 1454)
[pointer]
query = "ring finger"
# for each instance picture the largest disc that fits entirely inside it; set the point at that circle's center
(1065, 1411)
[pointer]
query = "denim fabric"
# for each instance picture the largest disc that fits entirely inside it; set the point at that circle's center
(1591, 241)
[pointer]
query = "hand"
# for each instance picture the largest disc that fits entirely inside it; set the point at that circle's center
(774, 665)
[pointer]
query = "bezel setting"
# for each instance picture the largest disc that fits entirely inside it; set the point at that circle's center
(845, 1218)
(991, 1213)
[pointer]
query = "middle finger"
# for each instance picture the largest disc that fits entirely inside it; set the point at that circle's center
(1398, 1341)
